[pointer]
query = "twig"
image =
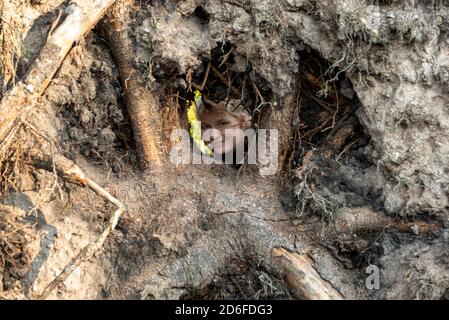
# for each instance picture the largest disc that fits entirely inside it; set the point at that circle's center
(225, 57)
(321, 103)
(314, 131)
(235, 91)
(346, 149)
(336, 109)
(86, 253)
(75, 174)
(205, 98)
(259, 95)
(203, 84)
(189, 75)
(71, 170)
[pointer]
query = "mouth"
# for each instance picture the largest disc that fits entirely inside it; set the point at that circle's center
(221, 146)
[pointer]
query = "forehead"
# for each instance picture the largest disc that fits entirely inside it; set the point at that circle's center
(214, 116)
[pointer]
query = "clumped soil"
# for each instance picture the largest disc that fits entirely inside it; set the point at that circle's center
(366, 133)
(14, 256)
(102, 131)
(242, 282)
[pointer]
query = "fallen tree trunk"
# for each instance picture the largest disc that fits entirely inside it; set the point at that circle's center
(304, 281)
(73, 22)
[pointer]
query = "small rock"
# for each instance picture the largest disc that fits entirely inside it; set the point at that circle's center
(86, 116)
(73, 281)
(108, 134)
(296, 3)
(415, 229)
(348, 93)
(240, 64)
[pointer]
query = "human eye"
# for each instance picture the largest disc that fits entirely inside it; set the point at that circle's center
(223, 123)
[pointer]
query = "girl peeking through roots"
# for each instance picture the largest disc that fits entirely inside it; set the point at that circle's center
(223, 134)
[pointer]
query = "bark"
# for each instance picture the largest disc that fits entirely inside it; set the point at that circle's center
(304, 281)
(142, 107)
(359, 221)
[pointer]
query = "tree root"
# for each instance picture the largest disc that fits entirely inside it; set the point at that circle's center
(359, 221)
(77, 19)
(18, 102)
(76, 175)
(80, 17)
(302, 277)
(142, 106)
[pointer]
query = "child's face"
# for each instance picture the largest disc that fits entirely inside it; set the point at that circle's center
(221, 131)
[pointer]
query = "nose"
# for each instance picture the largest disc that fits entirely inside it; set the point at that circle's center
(212, 134)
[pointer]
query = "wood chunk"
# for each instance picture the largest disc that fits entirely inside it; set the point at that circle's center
(302, 278)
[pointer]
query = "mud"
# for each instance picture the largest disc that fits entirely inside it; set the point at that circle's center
(379, 68)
